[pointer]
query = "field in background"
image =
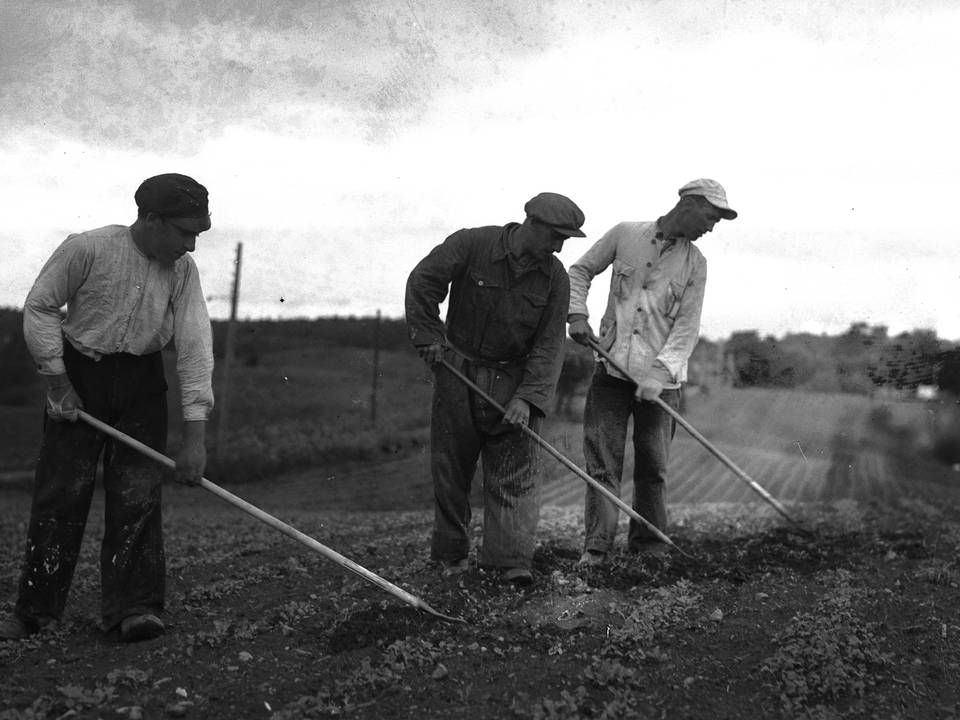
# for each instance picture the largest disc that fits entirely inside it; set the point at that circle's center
(293, 407)
(859, 619)
(798, 446)
(304, 407)
(305, 410)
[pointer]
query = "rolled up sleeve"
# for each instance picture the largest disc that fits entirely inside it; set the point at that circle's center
(56, 284)
(194, 342)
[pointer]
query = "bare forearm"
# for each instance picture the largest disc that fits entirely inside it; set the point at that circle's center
(194, 432)
(192, 459)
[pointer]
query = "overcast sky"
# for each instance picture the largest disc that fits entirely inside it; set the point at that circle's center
(340, 141)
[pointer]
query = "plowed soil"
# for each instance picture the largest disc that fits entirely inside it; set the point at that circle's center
(860, 617)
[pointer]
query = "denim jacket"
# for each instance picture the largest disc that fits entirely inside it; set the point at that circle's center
(498, 312)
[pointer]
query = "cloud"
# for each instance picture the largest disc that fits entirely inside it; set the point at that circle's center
(341, 140)
(152, 74)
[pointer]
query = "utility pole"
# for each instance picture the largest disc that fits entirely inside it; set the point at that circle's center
(223, 401)
(376, 370)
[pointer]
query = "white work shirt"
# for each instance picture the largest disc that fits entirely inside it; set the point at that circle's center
(120, 301)
(652, 321)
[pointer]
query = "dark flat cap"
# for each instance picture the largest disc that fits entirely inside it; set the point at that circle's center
(175, 196)
(557, 211)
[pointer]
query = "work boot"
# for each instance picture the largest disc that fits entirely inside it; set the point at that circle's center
(519, 576)
(592, 558)
(134, 628)
(455, 567)
(15, 628)
(654, 549)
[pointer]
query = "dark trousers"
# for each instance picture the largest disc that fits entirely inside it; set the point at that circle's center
(128, 392)
(465, 429)
(609, 406)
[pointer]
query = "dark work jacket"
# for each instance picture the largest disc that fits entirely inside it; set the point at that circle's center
(496, 313)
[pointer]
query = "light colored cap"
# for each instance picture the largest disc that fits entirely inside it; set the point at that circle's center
(714, 194)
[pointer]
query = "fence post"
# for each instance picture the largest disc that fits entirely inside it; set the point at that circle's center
(376, 370)
(223, 401)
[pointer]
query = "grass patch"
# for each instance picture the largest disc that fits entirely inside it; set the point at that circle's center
(828, 654)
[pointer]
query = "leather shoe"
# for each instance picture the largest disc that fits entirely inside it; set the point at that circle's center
(653, 549)
(134, 628)
(519, 576)
(455, 567)
(592, 558)
(15, 628)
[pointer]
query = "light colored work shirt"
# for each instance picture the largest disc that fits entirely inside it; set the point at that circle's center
(120, 301)
(652, 320)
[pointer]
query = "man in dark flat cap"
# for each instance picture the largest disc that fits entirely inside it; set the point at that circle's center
(128, 291)
(650, 328)
(504, 330)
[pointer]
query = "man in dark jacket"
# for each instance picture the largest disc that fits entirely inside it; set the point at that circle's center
(504, 330)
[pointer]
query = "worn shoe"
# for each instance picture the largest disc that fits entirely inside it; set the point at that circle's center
(592, 558)
(519, 576)
(15, 628)
(455, 567)
(654, 549)
(134, 628)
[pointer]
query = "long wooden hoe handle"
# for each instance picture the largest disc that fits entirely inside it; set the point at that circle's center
(566, 461)
(702, 440)
(271, 520)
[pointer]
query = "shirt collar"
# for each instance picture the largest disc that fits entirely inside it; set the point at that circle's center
(663, 242)
(501, 251)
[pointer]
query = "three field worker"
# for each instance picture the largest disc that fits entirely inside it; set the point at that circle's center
(495, 360)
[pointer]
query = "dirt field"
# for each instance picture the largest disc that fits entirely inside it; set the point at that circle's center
(861, 619)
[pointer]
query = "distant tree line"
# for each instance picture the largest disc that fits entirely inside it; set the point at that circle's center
(860, 360)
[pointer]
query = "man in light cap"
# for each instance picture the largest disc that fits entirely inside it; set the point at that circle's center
(650, 328)
(504, 330)
(128, 291)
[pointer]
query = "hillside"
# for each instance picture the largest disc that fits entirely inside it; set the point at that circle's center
(798, 446)
(859, 618)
